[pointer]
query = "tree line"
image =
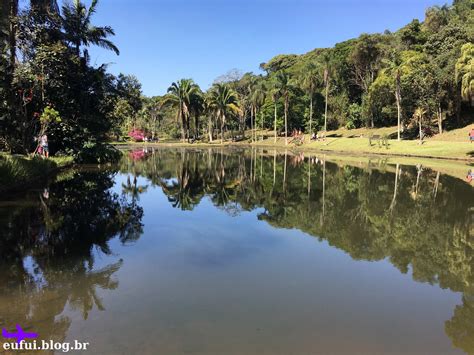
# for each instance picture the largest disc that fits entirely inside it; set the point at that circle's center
(420, 75)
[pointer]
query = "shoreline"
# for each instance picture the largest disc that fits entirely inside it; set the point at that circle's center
(313, 148)
(27, 173)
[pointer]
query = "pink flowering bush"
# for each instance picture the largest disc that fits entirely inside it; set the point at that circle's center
(137, 135)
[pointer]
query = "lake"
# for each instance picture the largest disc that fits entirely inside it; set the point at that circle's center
(227, 251)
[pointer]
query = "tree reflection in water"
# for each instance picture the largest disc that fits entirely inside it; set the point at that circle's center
(49, 246)
(415, 217)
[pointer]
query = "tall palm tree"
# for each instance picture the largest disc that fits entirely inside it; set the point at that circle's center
(257, 100)
(224, 102)
(78, 29)
(285, 87)
(254, 94)
(394, 67)
(196, 108)
(275, 92)
(465, 72)
(327, 80)
(244, 104)
(180, 94)
(310, 81)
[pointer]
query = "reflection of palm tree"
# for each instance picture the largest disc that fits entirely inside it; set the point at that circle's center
(188, 190)
(84, 288)
(395, 189)
(134, 190)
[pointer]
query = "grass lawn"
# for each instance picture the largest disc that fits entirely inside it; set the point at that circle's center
(429, 149)
(450, 145)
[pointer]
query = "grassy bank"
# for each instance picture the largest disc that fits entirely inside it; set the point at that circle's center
(20, 172)
(354, 142)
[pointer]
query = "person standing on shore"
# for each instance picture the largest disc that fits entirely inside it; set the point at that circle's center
(44, 145)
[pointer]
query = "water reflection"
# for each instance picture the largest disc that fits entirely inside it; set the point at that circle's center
(413, 216)
(49, 244)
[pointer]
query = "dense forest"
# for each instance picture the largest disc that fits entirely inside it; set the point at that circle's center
(421, 75)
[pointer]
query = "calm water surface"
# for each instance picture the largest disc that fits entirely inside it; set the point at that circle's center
(243, 252)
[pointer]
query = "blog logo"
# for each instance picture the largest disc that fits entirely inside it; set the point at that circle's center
(19, 335)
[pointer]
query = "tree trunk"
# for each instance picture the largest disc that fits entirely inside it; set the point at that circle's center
(398, 97)
(196, 127)
(183, 127)
(419, 129)
(326, 110)
(255, 123)
(251, 122)
(210, 128)
(275, 123)
(286, 120)
(440, 119)
(222, 128)
(311, 114)
(12, 32)
(188, 133)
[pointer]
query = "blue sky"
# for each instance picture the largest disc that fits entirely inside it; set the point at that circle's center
(164, 40)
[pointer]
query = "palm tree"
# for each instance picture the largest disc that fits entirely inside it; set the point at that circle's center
(79, 31)
(418, 116)
(275, 92)
(395, 68)
(180, 94)
(309, 81)
(257, 100)
(244, 102)
(196, 108)
(255, 93)
(223, 100)
(327, 79)
(465, 72)
(284, 86)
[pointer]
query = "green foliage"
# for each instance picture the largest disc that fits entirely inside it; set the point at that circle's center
(465, 72)
(354, 116)
(49, 115)
(52, 83)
